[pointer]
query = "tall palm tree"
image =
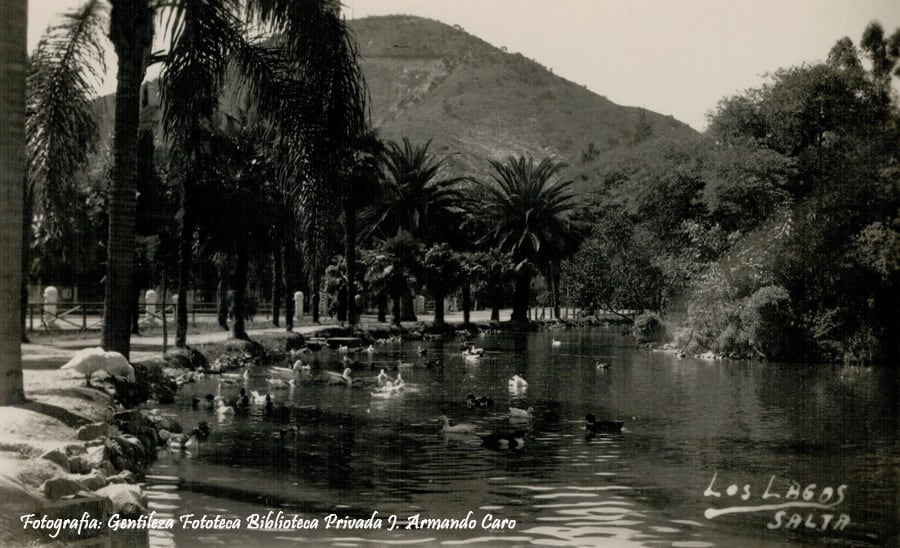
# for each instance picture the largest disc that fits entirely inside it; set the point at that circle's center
(362, 184)
(531, 214)
(13, 63)
(131, 33)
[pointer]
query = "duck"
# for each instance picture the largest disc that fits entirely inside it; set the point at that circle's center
(340, 378)
(517, 383)
(601, 365)
(210, 401)
(399, 382)
(382, 378)
(223, 410)
(260, 399)
(287, 433)
(472, 351)
(592, 425)
(461, 428)
(478, 401)
(555, 342)
(243, 401)
(386, 391)
(504, 441)
(300, 367)
(522, 414)
(286, 373)
(90, 360)
(195, 403)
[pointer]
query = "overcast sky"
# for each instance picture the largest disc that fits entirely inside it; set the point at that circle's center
(675, 57)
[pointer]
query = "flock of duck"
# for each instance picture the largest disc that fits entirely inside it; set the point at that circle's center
(381, 386)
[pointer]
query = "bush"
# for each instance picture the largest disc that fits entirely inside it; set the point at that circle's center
(648, 328)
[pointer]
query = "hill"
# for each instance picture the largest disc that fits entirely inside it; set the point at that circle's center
(428, 80)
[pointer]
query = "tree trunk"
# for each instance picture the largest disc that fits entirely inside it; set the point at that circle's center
(131, 33)
(408, 308)
(222, 294)
(185, 259)
(382, 307)
(289, 268)
(315, 300)
(242, 265)
(136, 310)
(439, 310)
(13, 64)
(277, 284)
(395, 316)
(350, 254)
(522, 295)
(555, 274)
(467, 301)
(28, 212)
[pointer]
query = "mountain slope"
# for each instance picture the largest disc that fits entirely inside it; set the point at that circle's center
(428, 80)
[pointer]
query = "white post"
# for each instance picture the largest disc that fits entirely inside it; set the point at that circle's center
(150, 300)
(298, 305)
(51, 297)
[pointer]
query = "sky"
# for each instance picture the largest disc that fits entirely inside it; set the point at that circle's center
(675, 57)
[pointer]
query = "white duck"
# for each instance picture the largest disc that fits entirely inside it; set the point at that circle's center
(555, 342)
(340, 378)
(382, 378)
(223, 410)
(461, 428)
(259, 399)
(517, 384)
(90, 360)
(521, 414)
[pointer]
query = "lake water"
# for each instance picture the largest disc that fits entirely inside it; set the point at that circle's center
(785, 447)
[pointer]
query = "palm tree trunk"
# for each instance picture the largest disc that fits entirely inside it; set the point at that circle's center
(28, 212)
(556, 275)
(185, 258)
(13, 63)
(241, 267)
(467, 301)
(522, 295)
(277, 284)
(131, 33)
(315, 301)
(289, 268)
(350, 254)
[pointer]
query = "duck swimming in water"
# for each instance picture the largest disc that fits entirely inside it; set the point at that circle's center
(340, 378)
(504, 441)
(382, 378)
(517, 384)
(259, 399)
(461, 428)
(592, 425)
(521, 414)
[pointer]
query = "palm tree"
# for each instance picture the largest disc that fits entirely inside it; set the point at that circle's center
(415, 199)
(363, 181)
(131, 33)
(531, 214)
(12, 178)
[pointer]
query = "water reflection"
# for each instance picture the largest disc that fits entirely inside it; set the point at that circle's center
(685, 421)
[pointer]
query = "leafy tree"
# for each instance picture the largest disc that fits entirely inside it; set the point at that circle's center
(441, 271)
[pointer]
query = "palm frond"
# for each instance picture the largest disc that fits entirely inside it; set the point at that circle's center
(66, 68)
